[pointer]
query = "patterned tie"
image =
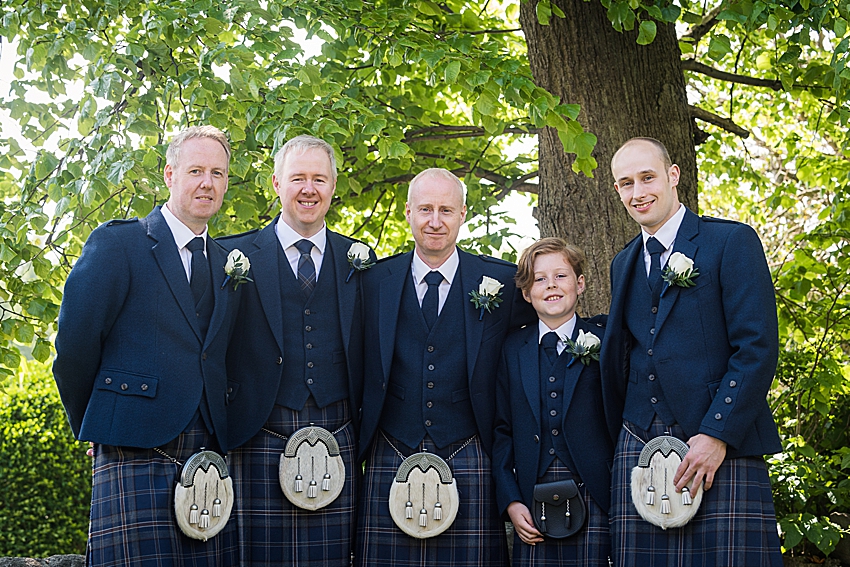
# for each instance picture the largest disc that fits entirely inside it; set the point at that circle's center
(431, 301)
(655, 250)
(306, 267)
(199, 282)
(549, 342)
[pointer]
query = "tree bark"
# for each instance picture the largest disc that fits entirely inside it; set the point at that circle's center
(625, 90)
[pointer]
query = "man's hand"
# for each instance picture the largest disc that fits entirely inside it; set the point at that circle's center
(705, 456)
(523, 524)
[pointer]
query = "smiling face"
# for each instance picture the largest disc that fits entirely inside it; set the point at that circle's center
(554, 290)
(197, 182)
(435, 212)
(305, 185)
(646, 186)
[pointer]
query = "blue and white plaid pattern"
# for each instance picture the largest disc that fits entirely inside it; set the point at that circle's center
(590, 547)
(476, 538)
(132, 516)
(735, 525)
(273, 532)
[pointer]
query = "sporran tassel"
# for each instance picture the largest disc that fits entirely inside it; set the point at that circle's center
(423, 518)
(205, 519)
(665, 504)
(326, 480)
(567, 516)
(543, 517)
(312, 489)
(216, 508)
(408, 507)
(299, 484)
(193, 514)
(686, 497)
(438, 508)
(650, 495)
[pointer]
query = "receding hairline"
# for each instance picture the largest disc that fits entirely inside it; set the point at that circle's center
(437, 173)
(660, 151)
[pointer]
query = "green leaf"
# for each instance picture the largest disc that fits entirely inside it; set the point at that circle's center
(646, 35)
(451, 72)
(719, 46)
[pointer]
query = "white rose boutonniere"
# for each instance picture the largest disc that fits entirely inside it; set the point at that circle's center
(585, 348)
(488, 296)
(680, 271)
(236, 268)
(358, 259)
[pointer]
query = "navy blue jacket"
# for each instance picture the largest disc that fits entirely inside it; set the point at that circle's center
(716, 344)
(517, 445)
(131, 363)
(382, 288)
(256, 357)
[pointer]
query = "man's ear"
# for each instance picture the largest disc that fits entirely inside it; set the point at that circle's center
(673, 174)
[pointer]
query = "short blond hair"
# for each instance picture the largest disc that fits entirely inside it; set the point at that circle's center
(300, 144)
(172, 154)
(524, 277)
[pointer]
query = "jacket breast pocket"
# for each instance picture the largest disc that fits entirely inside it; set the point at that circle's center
(127, 383)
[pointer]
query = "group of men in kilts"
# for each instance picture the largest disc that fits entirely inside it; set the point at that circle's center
(163, 349)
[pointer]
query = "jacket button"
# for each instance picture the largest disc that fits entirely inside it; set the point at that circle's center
(430, 348)
(430, 367)
(555, 432)
(306, 312)
(309, 346)
(652, 331)
(551, 451)
(551, 378)
(728, 400)
(718, 417)
(230, 390)
(204, 356)
(732, 384)
(537, 439)
(144, 387)
(310, 364)
(124, 386)
(280, 360)
(309, 380)
(428, 423)
(107, 381)
(653, 400)
(654, 310)
(430, 385)
(651, 377)
(429, 404)
(553, 395)
(553, 413)
(649, 352)
(556, 497)
(308, 328)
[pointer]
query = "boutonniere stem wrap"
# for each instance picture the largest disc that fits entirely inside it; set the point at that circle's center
(236, 269)
(488, 296)
(358, 259)
(680, 272)
(585, 348)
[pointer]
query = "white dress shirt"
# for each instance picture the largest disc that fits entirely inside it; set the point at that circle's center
(666, 235)
(288, 237)
(564, 331)
(183, 235)
(448, 270)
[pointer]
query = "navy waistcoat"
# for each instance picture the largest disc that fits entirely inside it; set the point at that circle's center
(314, 353)
(644, 397)
(428, 392)
(552, 438)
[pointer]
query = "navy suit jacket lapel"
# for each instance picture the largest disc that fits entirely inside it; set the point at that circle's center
(574, 370)
(529, 368)
(346, 292)
(622, 279)
(168, 258)
(470, 274)
(217, 258)
(688, 230)
(265, 272)
(390, 302)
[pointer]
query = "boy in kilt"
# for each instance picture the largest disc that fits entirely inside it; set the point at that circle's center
(690, 351)
(430, 381)
(143, 329)
(550, 424)
(296, 361)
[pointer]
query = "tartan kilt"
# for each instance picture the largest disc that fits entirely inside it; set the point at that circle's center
(590, 547)
(132, 512)
(735, 524)
(272, 531)
(475, 539)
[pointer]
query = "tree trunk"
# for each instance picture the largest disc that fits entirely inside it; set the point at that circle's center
(625, 90)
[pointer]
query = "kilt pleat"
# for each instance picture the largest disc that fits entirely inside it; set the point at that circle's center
(735, 525)
(475, 539)
(132, 514)
(590, 547)
(272, 531)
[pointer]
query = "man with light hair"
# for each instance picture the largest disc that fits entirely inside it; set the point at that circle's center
(143, 329)
(430, 385)
(295, 364)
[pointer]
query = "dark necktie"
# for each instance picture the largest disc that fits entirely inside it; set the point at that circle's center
(549, 342)
(306, 267)
(431, 301)
(655, 250)
(200, 280)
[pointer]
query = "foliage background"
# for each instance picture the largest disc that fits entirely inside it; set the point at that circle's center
(401, 85)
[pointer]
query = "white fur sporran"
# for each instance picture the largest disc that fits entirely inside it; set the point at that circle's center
(653, 492)
(311, 470)
(203, 498)
(423, 498)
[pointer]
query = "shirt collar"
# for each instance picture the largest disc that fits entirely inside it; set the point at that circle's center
(564, 331)
(448, 269)
(666, 235)
(182, 233)
(288, 237)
